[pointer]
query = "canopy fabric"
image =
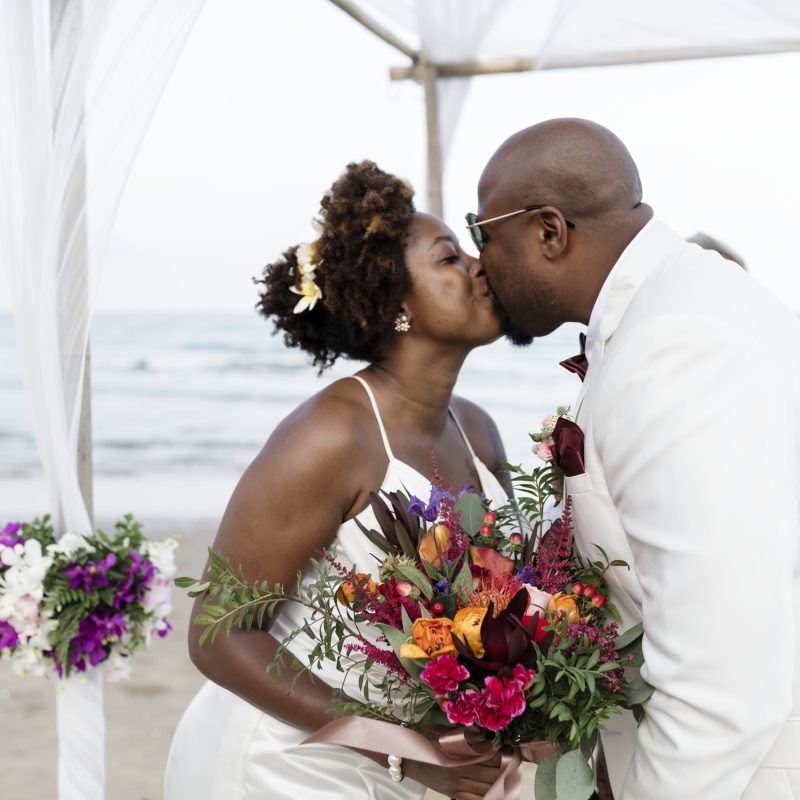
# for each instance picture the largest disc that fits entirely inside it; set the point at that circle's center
(78, 85)
(555, 34)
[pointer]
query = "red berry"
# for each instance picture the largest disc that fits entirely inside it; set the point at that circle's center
(577, 588)
(515, 538)
(489, 518)
(425, 603)
(599, 600)
(486, 530)
(589, 591)
(437, 608)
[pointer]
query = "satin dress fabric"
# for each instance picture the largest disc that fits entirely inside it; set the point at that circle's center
(226, 749)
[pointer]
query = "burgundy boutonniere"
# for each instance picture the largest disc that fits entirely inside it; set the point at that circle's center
(567, 447)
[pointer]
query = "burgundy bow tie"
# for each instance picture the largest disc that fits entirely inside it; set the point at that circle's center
(579, 363)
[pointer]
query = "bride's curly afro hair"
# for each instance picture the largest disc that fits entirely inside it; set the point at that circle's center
(360, 269)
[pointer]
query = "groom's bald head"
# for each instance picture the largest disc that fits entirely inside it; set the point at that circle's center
(574, 164)
(578, 198)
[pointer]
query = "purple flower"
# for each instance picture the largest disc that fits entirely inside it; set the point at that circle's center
(467, 488)
(526, 575)
(95, 635)
(90, 576)
(437, 495)
(126, 590)
(416, 506)
(442, 586)
(430, 512)
(9, 536)
(8, 636)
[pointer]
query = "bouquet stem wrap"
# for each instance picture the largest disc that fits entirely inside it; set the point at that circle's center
(455, 749)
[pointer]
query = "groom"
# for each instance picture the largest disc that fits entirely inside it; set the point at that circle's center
(690, 406)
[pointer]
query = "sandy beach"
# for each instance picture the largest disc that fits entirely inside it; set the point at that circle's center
(141, 713)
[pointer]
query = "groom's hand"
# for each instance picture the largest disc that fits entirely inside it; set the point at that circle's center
(463, 783)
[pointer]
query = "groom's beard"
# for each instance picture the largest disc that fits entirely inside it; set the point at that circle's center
(509, 329)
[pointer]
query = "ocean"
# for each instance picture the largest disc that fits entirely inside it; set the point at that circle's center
(194, 395)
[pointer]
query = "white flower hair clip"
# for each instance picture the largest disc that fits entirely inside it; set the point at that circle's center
(306, 287)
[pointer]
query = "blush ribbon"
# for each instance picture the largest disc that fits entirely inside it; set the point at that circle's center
(457, 748)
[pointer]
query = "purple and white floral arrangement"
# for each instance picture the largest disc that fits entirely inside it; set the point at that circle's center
(79, 602)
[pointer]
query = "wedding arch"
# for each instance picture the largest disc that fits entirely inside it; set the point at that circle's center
(79, 82)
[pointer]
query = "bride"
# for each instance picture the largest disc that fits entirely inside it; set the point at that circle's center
(390, 286)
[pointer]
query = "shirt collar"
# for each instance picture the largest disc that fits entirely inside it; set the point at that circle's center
(599, 307)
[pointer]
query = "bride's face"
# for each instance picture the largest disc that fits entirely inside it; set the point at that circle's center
(450, 298)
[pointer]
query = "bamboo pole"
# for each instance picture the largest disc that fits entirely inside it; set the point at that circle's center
(468, 69)
(434, 176)
(379, 30)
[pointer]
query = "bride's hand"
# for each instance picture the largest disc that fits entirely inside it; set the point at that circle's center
(461, 783)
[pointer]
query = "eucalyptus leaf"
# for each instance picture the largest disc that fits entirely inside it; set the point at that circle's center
(545, 784)
(629, 636)
(472, 511)
(574, 777)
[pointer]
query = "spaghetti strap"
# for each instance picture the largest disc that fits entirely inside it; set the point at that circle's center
(374, 403)
(463, 434)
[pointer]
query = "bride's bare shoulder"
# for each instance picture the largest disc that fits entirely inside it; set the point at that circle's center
(336, 420)
(481, 431)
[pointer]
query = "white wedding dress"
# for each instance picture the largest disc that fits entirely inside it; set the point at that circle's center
(226, 749)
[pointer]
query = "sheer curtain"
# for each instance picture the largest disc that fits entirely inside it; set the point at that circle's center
(448, 30)
(79, 82)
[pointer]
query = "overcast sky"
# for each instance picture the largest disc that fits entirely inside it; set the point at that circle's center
(270, 100)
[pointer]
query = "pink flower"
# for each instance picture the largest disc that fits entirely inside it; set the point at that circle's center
(443, 674)
(544, 450)
(549, 423)
(523, 676)
(493, 719)
(505, 696)
(461, 710)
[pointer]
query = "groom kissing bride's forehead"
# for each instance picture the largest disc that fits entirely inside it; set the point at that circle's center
(690, 408)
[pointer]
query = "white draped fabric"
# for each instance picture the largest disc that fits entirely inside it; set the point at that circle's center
(79, 82)
(577, 33)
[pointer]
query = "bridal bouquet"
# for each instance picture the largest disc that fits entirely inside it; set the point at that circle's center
(81, 601)
(477, 620)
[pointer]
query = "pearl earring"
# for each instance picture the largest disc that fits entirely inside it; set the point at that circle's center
(402, 323)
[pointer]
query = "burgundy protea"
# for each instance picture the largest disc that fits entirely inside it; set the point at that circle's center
(506, 640)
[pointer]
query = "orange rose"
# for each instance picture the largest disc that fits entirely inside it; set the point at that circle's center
(434, 544)
(430, 637)
(564, 604)
(362, 583)
(467, 626)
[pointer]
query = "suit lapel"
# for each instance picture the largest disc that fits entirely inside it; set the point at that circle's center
(642, 256)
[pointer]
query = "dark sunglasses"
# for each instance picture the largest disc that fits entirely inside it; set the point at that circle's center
(479, 237)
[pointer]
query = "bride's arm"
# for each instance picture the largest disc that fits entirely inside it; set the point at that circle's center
(287, 506)
(315, 471)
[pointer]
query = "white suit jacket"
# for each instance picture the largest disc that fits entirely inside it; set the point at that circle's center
(691, 413)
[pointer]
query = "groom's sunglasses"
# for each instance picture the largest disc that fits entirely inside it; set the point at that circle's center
(480, 238)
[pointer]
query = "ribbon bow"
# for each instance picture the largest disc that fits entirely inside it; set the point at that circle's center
(457, 748)
(579, 363)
